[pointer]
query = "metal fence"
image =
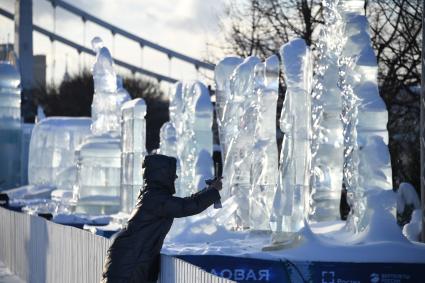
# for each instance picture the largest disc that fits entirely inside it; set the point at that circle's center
(39, 251)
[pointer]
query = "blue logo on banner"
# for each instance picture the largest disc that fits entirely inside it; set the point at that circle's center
(250, 270)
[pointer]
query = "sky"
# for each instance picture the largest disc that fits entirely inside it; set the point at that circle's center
(186, 26)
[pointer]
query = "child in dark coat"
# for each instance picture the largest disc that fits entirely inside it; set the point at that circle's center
(134, 256)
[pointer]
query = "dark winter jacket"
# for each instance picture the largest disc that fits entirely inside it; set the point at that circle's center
(135, 253)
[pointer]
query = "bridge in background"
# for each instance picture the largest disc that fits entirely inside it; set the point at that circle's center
(23, 44)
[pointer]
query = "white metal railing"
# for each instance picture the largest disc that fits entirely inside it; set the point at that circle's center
(39, 251)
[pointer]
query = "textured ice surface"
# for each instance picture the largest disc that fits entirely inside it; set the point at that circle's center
(222, 75)
(133, 148)
(97, 190)
(242, 123)
(407, 195)
(51, 152)
(292, 196)
(188, 136)
(10, 126)
(367, 160)
(264, 156)
(413, 229)
(327, 128)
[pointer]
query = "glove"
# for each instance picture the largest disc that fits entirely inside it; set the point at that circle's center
(215, 183)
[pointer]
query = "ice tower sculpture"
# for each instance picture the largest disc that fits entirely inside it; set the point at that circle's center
(10, 126)
(265, 155)
(222, 73)
(238, 158)
(191, 115)
(52, 151)
(292, 195)
(133, 152)
(327, 129)
(99, 158)
(367, 163)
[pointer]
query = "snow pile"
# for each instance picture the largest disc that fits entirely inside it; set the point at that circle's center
(329, 241)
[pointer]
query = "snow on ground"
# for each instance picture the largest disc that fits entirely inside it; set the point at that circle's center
(382, 241)
(6, 276)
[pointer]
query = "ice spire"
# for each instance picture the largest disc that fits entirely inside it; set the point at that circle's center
(367, 164)
(238, 159)
(264, 158)
(327, 128)
(292, 195)
(106, 106)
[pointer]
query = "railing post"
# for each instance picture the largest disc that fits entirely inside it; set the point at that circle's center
(422, 130)
(24, 49)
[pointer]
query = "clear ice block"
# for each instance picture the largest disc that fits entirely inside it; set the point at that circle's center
(133, 152)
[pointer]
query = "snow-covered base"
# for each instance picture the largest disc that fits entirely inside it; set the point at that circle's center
(326, 241)
(6, 276)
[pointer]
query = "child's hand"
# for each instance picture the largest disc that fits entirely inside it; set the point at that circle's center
(215, 183)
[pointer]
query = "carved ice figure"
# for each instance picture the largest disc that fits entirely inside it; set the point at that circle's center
(108, 93)
(10, 126)
(203, 136)
(265, 154)
(292, 195)
(327, 128)
(238, 159)
(222, 74)
(191, 115)
(97, 190)
(367, 159)
(133, 152)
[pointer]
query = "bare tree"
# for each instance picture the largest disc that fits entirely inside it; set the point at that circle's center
(260, 27)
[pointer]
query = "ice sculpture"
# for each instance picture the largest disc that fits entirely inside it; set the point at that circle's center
(133, 152)
(52, 150)
(327, 129)
(10, 126)
(108, 93)
(222, 74)
(292, 195)
(242, 123)
(97, 190)
(191, 115)
(367, 160)
(265, 155)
